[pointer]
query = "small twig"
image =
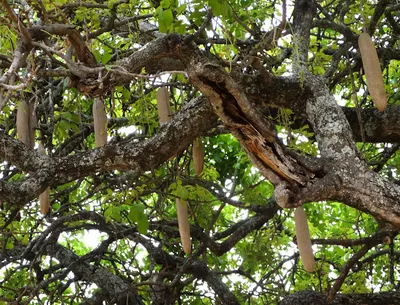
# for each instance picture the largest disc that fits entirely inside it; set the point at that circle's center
(21, 27)
(121, 71)
(191, 37)
(82, 70)
(20, 86)
(240, 21)
(374, 239)
(358, 108)
(346, 269)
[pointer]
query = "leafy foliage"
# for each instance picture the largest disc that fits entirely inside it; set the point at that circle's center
(122, 222)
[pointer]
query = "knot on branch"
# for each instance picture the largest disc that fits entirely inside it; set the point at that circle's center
(283, 195)
(174, 42)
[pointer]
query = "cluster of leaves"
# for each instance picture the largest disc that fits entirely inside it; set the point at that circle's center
(111, 220)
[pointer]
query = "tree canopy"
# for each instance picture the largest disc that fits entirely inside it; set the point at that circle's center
(230, 113)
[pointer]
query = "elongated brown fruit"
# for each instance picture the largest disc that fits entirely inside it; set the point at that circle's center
(198, 156)
(23, 127)
(183, 224)
(373, 72)
(304, 240)
(100, 122)
(44, 198)
(164, 112)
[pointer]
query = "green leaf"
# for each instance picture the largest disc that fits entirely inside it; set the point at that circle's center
(143, 224)
(181, 8)
(106, 57)
(108, 213)
(182, 193)
(55, 206)
(165, 4)
(116, 214)
(160, 13)
(135, 212)
(168, 17)
(136, 215)
(25, 240)
(216, 7)
(162, 26)
(9, 244)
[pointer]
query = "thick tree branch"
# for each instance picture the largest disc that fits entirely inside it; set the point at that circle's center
(121, 291)
(303, 15)
(196, 267)
(357, 181)
(310, 297)
(193, 120)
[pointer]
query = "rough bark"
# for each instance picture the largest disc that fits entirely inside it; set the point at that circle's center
(310, 297)
(192, 121)
(244, 96)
